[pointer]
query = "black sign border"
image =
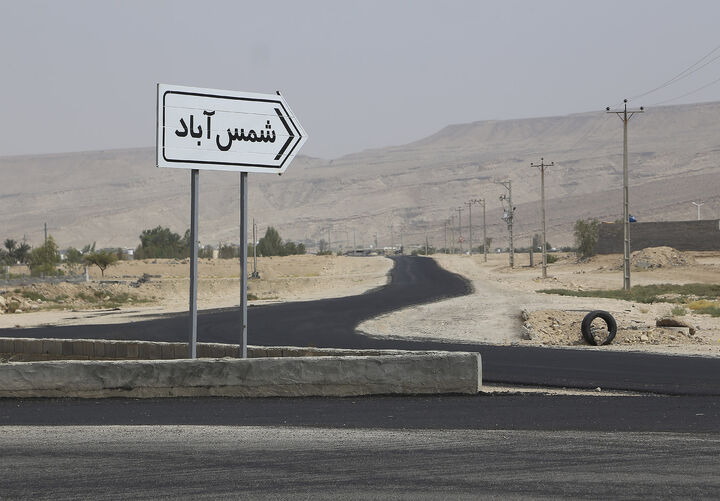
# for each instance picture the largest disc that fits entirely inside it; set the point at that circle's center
(280, 103)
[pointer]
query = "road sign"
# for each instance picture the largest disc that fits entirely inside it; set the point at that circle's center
(211, 129)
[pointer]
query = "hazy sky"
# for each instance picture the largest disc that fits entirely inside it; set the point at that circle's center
(81, 75)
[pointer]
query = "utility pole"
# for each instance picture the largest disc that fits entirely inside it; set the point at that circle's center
(354, 241)
(329, 244)
(698, 204)
(542, 166)
(470, 204)
(508, 216)
(459, 211)
(426, 245)
(485, 243)
(445, 225)
(623, 115)
(452, 232)
(255, 273)
(392, 238)
(46, 235)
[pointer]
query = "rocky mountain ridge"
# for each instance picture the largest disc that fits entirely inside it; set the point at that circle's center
(401, 193)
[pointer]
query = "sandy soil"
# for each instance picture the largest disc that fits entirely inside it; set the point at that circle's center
(492, 314)
(290, 278)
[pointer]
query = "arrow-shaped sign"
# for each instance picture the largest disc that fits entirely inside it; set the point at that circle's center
(225, 130)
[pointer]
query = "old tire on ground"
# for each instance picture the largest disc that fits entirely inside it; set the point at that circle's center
(609, 321)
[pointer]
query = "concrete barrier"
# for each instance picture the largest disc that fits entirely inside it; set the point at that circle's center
(271, 372)
(33, 350)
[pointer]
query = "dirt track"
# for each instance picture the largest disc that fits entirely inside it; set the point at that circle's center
(492, 314)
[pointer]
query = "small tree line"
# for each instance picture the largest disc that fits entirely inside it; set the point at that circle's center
(160, 242)
(155, 243)
(45, 259)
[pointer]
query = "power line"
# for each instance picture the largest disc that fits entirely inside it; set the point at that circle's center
(688, 93)
(683, 74)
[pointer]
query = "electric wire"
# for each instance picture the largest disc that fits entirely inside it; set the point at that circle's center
(687, 93)
(683, 74)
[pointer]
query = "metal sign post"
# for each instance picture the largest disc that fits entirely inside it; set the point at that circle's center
(243, 258)
(209, 129)
(194, 213)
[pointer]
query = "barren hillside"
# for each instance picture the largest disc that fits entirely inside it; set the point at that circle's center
(111, 196)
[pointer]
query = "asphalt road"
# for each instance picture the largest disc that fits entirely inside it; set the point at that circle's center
(416, 280)
(521, 446)
(318, 463)
(459, 447)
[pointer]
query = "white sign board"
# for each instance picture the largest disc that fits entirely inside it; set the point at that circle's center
(225, 130)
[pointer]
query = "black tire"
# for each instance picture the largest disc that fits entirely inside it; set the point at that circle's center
(609, 321)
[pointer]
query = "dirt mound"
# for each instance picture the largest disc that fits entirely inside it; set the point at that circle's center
(562, 328)
(658, 257)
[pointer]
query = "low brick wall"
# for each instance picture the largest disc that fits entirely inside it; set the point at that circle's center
(701, 235)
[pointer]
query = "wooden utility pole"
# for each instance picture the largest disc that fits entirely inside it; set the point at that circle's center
(542, 166)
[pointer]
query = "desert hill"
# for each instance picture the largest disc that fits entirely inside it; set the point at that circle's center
(407, 191)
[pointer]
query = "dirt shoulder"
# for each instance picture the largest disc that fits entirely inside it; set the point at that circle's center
(493, 313)
(140, 290)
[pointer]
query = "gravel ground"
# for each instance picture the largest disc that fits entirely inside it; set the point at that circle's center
(492, 314)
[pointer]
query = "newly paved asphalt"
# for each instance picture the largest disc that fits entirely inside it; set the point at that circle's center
(496, 446)
(416, 280)
(193, 462)
(438, 447)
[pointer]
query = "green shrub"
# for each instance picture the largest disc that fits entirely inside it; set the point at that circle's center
(586, 236)
(678, 311)
(32, 295)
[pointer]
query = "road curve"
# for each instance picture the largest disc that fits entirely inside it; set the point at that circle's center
(417, 280)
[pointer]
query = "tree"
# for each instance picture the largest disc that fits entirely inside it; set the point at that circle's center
(73, 256)
(322, 247)
(270, 244)
(227, 252)
(205, 252)
(22, 253)
(15, 253)
(102, 259)
(586, 236)
(10, 245)
(160, 242)
(44, 258)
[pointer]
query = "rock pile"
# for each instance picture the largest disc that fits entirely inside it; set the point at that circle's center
(658, 257)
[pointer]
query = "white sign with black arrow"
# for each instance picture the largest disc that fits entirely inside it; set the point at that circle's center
(211, 129)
